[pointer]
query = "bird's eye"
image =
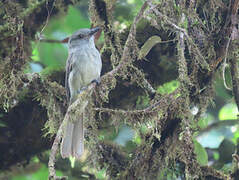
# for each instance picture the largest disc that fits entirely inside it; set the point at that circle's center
(80, 36)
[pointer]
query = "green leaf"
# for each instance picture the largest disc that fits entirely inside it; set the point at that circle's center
(236, 137)
(35, 52)
(216, 155)
(201, 153)
(137, 139)
(168, 87)
(228, 111)
(148, 46)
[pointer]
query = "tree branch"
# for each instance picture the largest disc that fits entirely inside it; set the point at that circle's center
(201, 59)
(235, 78)
(228, 122)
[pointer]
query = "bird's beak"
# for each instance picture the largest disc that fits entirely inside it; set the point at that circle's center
(94, 30)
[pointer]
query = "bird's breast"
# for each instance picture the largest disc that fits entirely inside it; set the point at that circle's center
(86, 67)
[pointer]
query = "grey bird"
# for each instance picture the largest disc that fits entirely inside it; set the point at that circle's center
(83, 67)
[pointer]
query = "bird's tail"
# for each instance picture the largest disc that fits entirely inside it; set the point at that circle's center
(73, 139)
(73, 133)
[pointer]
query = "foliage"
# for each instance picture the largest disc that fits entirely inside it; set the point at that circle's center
(161, 97)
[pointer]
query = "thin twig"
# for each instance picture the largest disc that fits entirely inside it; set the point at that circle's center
(182, 69)
(218, 124)
(52, 157)
(151, 108)
(50, 41)
(224, 65)
(48, 14)
(142, 81)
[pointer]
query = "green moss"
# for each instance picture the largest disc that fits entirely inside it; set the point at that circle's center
(142, 101)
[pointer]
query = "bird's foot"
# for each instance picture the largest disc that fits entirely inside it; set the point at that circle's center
(97, 81)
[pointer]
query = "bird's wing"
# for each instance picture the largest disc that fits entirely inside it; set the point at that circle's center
(68, 70)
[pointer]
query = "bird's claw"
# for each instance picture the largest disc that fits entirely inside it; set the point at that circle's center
(97, 81)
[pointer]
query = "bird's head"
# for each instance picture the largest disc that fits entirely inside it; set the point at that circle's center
(83, 36)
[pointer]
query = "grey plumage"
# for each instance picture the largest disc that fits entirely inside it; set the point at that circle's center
(82, 67)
